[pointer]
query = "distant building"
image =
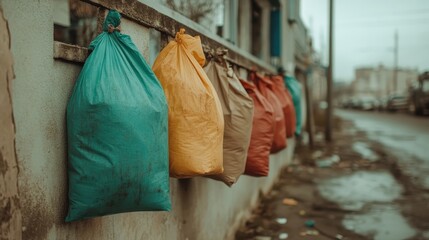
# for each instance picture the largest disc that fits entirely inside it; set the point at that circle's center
(380, 81)
(317, 77)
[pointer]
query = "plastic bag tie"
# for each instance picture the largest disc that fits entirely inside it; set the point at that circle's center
(111, 28)
(179, 35)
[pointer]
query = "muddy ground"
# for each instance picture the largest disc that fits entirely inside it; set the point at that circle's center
(352, 188)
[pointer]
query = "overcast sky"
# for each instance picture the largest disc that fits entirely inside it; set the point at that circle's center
(364, 33)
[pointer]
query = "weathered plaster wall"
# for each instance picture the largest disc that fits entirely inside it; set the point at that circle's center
(288, 40)
(288, 33)
(202, 208)
(10, 213)
(244, 25)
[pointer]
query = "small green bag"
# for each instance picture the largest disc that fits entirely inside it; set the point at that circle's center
(295, 90)
(117, 127)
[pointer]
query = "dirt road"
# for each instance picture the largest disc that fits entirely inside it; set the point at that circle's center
(404, 134)
(354, 188)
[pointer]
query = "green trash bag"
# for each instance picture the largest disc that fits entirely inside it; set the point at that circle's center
(117, 120)
(295, 90)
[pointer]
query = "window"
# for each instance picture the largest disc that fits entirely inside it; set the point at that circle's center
(231, 18)
(206, 13)
(256, 40)
(75, 22)
(425, 85)
(292, 11)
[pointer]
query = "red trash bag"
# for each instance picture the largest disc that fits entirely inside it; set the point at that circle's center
(286, 99)
(264, 85)
(258, 155)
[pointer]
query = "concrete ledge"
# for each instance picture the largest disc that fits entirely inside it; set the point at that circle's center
(154, 15)
(70, 52)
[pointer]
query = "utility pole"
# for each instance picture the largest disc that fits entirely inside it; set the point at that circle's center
(322, 48)
(329, 110)
(395, 62)
(308, 79)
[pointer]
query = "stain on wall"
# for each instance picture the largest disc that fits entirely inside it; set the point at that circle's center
(10, 213)
(37, 215)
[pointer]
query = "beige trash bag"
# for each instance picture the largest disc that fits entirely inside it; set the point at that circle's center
(237, 109)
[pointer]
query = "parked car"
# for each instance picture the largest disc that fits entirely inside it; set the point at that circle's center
(368, 103)
(355, 103)
(419, 96)
(397, 102)
(347, 103)
(382, 103)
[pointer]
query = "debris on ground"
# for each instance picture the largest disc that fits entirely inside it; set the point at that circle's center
(281, 220)
(328, 161)
(310, 223)
(290, 202)
(310, 233)
(300, 196)
(283, 236)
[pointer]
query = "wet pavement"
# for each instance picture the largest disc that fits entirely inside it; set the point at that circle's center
(353, 191)
(365, 151)
(361, 186)
(406, 135)
(382, 222)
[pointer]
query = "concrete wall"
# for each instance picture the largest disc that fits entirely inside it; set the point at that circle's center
(202, 208)
(288, 41)
(265, 31)
(10, 213)
(318, 83)
(244, 25)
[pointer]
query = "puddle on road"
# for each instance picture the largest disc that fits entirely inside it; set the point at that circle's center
(379, 220)
(328, 161)
(380, 223)
(364, 150)
(352, 192)
(350, 130)
(401, 137)
(426, 182)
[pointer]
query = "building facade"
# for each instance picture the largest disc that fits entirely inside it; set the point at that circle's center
(379, 82)
(45, 68)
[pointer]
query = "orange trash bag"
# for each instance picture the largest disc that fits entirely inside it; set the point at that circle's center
(258, 155)
(195, 118)
(237, 109)
(265, 86)
(286, 99)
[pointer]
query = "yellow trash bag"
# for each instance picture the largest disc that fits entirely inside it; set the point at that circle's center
(195, 114)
